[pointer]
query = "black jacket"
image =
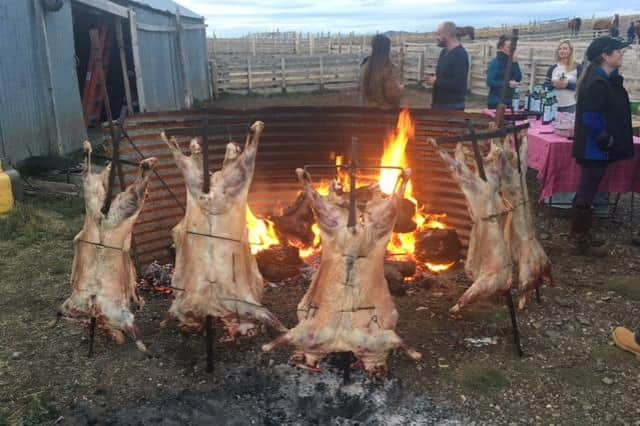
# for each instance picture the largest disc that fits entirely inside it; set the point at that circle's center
(603, 119)
(451, 76)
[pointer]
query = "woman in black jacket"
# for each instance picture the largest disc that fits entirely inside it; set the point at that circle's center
(603, 133)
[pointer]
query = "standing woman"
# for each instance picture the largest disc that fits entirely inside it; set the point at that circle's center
(378, 84)
(603, 133)
(563, 77)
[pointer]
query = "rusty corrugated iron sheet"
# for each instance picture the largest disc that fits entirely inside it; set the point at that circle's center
(293, 137)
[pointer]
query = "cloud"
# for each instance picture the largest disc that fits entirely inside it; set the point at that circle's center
(226, 18)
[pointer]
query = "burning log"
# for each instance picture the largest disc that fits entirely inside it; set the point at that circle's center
(395, 272)
(406, 213)
(437, 245)
(279, 262)
(293, 226)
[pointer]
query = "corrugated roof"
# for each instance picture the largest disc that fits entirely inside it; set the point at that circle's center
(166, 6)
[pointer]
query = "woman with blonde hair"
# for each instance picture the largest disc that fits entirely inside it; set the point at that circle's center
(563, 77)
(378, 84)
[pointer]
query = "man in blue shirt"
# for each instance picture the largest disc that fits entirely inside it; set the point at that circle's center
(496, 72)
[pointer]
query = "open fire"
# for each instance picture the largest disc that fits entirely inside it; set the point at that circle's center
(402, 246)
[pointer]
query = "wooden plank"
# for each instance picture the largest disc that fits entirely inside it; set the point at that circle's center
(156, 28)
(123, 63)
(186, 81)
(135, 50)
(107, 6)
(249, 81)
(50, 87)
(283, 75)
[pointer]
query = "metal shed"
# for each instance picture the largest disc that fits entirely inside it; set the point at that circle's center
(158, 62)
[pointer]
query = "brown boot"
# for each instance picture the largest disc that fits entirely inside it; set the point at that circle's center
(626, 340)
(583, 243)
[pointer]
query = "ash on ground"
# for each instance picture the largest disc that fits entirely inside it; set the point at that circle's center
(280, 395)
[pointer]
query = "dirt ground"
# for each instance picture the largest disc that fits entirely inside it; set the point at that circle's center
(569, 374)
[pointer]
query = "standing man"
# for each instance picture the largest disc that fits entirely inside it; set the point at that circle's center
(450, 82)
(631, 33)
(496, 72)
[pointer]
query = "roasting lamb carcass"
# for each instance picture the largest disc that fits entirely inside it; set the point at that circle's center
(215, 270)
(103, 276)
(348, 306)
(488, 259)
(534, 267)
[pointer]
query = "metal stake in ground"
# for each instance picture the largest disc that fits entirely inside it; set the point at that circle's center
(483, 176)
(507, 76)
(209, 334)
(115, 138)
(92, 335)
(205, 190)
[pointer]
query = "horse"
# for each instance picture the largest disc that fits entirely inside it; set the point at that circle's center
(612, 25)
(574, 25)
(466, 31)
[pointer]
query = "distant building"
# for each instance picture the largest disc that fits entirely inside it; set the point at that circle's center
(45, 49)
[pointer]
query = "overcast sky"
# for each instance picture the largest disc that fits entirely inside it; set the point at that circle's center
(235, 18)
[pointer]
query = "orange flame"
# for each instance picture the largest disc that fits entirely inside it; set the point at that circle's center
(394, 155)
(260, 231)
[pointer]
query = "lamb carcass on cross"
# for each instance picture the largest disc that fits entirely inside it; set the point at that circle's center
(488, 261)
(534, 267)
(215, 271)
(103, 276)
(347, 307)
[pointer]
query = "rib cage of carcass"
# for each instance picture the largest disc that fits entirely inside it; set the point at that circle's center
(503, 232)
(215, 272)
(347, 307)
(103, 276)
(534, 267)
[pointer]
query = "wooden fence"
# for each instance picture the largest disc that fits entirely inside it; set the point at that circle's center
(293, 43)
(287, 74)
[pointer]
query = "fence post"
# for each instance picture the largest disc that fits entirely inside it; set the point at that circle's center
(214, 78)
(283, 75)
(296, 44)
(362, 46)
(469, 73)
(311, 44)
(249, 81)
(401, 63)
(321, 73)
(339, 44)
(421, 67)
(532, 81)
(253, 45)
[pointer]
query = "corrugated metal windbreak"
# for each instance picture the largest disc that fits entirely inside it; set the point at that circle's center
(293, 137)
(26, 116)
(163, 85)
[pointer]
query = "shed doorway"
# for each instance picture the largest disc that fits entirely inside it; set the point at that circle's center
(114, 39)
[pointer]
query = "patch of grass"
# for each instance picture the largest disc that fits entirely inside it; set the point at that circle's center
(33, 222)
(612, 355)
(577, 377)
(38, 412)
(626, 285)
(4, 418)
(482, 379)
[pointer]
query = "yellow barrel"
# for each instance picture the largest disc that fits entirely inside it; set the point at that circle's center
(6, 196)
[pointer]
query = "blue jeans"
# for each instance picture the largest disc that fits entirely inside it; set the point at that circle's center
(457, 106)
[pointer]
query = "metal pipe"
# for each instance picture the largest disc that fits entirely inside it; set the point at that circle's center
(352, 182)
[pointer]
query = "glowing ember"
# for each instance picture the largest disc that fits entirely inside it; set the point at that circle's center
(260, 231)
(306, 252)
(435, 267)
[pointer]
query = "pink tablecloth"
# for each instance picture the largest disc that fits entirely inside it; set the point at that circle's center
(551, 156)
